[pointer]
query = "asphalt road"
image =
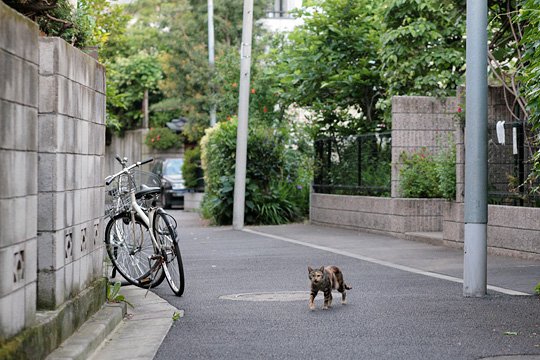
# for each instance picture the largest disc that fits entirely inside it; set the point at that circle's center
(391, 314)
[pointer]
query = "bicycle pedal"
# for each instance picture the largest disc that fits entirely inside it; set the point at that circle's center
(145, 281)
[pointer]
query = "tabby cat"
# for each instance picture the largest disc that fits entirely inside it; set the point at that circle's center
(325, 279)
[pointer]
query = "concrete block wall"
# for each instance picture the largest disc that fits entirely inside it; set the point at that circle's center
(511, 230)
(393, 216)
(19, 58)
(70, 182)
(424, 121)
(129, 145)
(420, 121)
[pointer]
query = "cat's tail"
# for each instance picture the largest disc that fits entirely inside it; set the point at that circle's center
(347, 287)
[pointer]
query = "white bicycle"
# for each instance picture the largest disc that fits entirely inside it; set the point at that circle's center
(141, 238)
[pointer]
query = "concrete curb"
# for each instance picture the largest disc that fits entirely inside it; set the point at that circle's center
(91, 334)
(141, 332)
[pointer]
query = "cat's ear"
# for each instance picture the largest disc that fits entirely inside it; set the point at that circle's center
(321, 269)
(309, 269)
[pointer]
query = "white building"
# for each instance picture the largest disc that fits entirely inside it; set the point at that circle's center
(278, 16)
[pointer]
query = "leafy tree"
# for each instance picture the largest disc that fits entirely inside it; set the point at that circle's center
(329, 65)
(422, 47)
(130, 77)
(530, 76)
(264, 86)
(189, 81)
(110, 23)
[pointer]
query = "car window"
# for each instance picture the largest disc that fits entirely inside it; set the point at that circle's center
(173, 167)
(157, 168)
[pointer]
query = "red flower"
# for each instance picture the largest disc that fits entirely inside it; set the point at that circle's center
(159, 137)
(253, 91)
(234, 85)
(153, 139)
(459, 109)
(265, 109)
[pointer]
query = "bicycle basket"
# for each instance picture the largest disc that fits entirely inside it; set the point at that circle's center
(117, 194)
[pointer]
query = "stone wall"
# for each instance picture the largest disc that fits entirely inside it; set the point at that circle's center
(19, 62)
(192, 201)
(512, 230)
(71, 149)
(428, 122)
(52, 141)
(131, 145)
(420, 121)
(393, 216)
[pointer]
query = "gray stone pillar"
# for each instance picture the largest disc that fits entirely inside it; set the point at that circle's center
(71, 149)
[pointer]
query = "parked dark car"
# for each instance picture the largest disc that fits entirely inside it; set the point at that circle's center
(172, 182)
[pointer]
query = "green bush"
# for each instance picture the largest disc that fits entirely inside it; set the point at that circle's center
(162, 139)
(276, 191)
(426, 176)
(418, 175)
(445, 166)
(191, 169)
(61, 19)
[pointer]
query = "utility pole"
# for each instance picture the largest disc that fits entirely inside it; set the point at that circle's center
(211, 58)
(243, 112)
(476, 209)
(145, 109)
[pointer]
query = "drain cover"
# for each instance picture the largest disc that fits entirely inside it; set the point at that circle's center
(269, 296)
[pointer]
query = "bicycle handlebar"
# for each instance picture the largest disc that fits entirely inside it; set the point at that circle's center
(126, 170)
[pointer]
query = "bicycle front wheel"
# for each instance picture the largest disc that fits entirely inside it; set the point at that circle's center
(131, 251)
(165, 234)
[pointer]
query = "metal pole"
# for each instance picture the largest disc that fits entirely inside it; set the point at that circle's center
(145, 109)
(475, 248)
(243, 112)
(211, 57)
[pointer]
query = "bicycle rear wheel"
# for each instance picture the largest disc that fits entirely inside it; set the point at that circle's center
(165, 234)
(130, 249)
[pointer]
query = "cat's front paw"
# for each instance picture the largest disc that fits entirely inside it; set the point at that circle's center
(311, 307)
(325, 307)
(344, 302)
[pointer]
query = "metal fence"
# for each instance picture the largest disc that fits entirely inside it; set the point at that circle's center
(354, 165)
(509, 165)
(361, 165)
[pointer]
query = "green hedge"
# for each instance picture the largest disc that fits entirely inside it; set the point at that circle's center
(277, 187)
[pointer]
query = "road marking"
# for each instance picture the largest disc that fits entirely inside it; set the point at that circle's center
(269, 296)
(384, 263)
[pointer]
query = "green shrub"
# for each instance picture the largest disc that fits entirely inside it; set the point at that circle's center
(276, 190)
(61, 19)
(424, 175)
(191, 169)
(418, 175)
(162, 139)
(445, 166)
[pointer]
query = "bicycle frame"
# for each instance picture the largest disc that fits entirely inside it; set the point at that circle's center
(147, 216)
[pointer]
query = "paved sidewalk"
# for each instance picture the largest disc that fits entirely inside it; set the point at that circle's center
(143, 329)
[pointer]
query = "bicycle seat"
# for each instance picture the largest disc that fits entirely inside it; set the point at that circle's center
(146, 191)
